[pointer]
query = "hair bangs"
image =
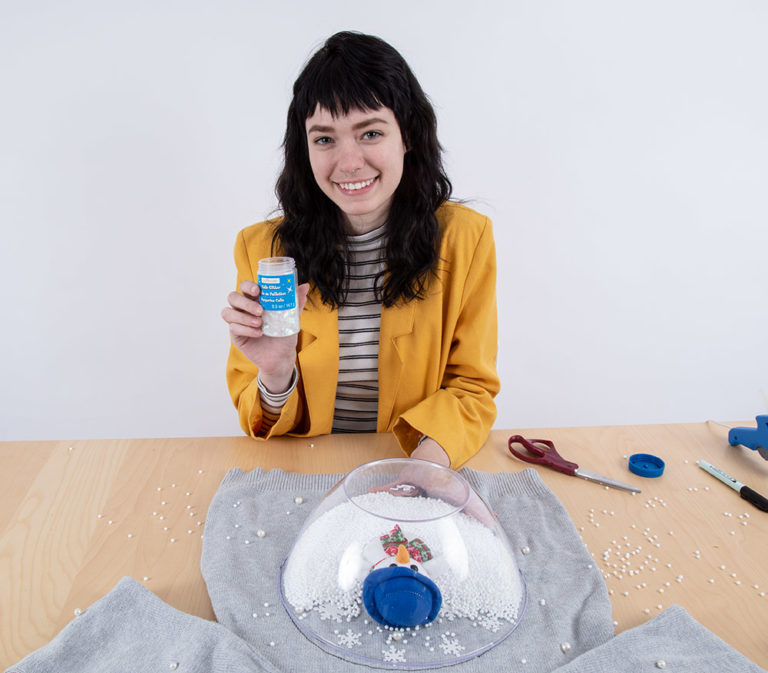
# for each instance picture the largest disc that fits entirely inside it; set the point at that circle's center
(339, 89)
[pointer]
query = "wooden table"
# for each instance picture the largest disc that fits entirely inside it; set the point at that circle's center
(77, 516)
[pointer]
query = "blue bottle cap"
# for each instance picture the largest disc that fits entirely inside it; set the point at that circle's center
(646, 465)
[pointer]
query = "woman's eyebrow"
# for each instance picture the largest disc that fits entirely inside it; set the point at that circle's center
(318, 128)
(368, 122)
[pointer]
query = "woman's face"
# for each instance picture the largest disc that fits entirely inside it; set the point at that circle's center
(357, 160)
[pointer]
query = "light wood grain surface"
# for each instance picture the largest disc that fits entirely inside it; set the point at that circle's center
(76, 516)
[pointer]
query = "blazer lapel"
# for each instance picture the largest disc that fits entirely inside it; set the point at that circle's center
(396, 321)
(319, 360)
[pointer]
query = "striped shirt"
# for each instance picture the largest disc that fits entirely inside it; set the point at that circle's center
(357, 391)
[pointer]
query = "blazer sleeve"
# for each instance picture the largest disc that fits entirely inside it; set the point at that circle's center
(241, 372)
(460, 414)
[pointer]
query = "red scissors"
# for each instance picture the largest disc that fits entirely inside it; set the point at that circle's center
(543, 452)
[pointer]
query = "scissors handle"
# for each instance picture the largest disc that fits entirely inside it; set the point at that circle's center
(535, 453)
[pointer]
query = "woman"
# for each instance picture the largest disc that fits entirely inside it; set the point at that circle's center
(398, 327)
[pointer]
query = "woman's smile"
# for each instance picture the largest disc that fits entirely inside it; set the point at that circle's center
(359, 187)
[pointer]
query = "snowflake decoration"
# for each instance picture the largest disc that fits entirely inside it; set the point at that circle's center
(450, 646)
(394, 655)
(330, 611)
(349, 639)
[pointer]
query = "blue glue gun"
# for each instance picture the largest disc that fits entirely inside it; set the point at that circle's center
(753, 438)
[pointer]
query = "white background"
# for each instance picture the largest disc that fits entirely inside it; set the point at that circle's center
(621, 149)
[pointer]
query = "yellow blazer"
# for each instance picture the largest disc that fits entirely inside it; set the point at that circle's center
(437, 356)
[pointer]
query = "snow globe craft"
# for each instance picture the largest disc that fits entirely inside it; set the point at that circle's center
(402, 565)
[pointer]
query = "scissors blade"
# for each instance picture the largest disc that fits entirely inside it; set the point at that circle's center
(606, 481)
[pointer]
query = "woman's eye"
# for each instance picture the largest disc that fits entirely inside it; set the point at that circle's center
(371, 135)
(322, 140)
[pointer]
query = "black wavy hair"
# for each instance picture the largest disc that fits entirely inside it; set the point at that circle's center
(352, 71)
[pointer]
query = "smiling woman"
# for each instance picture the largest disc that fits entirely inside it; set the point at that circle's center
(398, 321)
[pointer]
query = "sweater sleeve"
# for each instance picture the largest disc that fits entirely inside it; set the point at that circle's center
(459, 415)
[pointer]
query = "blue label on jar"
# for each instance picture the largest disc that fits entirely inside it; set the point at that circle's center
(278, 293)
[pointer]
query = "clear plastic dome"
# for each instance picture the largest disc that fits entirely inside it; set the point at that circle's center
(402, 565)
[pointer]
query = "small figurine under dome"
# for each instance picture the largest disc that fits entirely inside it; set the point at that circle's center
(398, 592)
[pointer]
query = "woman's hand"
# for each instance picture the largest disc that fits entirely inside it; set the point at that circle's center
(430, 450)
(416, 479)
(274, 356)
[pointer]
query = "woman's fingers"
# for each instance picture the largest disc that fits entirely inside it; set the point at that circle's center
(399, 488)
(237, 317)
(244, 303)
(244, 311)
(237, 330)
(250, 289)
(416, 480)
(302, 291)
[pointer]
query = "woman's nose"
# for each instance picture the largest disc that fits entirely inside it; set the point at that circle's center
(351, 159)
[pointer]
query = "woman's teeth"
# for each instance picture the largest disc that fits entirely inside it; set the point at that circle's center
(352, 186)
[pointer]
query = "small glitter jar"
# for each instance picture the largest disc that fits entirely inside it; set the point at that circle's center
(277, 284)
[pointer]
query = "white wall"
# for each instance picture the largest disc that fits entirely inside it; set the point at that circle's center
(619, 147)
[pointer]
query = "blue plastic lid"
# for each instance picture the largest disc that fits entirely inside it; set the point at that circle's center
(646, 465)
(400, 597)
